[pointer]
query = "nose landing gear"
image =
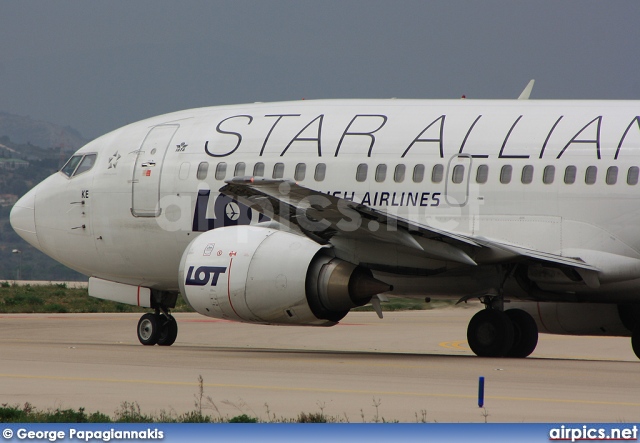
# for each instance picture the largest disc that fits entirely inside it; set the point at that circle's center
(158, 328)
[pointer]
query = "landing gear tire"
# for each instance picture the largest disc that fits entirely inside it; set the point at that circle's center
(635, 341)
(525, 330)
(490, 333)
(149, 329)
(168, 330)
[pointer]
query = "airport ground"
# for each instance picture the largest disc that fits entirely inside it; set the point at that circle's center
(410, 366)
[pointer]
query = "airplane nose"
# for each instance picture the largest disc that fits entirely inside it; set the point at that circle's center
(23, 220)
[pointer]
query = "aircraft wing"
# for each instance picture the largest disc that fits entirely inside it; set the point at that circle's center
(322, 216)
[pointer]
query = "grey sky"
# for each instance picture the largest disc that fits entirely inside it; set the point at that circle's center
(97, 65)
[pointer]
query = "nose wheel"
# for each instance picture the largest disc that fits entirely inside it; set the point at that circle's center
(158, 328)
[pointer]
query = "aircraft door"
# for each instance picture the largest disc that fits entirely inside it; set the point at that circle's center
(457, 180)
(147, 171)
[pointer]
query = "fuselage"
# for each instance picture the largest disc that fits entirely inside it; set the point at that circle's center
(553, 176)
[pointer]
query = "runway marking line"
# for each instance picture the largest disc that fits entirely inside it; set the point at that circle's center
(335, 391)
(458, 345)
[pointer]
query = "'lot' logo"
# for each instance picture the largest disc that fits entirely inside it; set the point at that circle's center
(204, 274)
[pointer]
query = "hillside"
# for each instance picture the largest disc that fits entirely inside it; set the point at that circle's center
(22, 166)
(25, 130)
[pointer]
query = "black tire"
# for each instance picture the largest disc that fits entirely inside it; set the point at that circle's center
(148, 329)
(168, 331)
(525, 333)
(635, 341)
(490, 333)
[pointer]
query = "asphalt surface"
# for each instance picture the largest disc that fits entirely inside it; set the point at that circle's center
(410, 366)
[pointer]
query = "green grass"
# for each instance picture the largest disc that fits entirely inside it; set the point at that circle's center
(408, 304)
(57, 298)
(29, 414)
(130, 412)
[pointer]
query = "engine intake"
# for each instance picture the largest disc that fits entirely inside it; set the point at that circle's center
(261, 275)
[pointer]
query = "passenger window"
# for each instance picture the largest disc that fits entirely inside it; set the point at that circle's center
(418, 173)
(300, 172)
(482, 174)
(527, 174)
(398, 176)
(203, 169)
(258, 170)
(240, 168)
(570, 175)
(361, 172)
(591, 175)
(381, 173)
(71, 165)
(549, 174)
(612, 175)
(87, 163)
(437, 173)
(321, 170)
(221, 171)
(458, 174)
(632, 175)
(505, 174)
(278, 170)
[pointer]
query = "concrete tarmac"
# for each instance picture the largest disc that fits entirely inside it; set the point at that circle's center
(410, 366)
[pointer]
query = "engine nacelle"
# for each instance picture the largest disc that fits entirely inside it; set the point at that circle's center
(580, 318)
(261, 275)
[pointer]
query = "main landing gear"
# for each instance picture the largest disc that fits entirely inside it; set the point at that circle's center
(635, 340)
(159, 328)
(493, 332)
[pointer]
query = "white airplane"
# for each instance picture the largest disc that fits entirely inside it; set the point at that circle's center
(293, 213)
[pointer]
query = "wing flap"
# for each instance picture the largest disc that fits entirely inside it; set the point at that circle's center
(322, 216)
(575, 262)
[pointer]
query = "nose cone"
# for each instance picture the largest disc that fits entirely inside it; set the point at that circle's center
(23, 219)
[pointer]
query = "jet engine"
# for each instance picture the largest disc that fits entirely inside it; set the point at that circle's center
(261, 275)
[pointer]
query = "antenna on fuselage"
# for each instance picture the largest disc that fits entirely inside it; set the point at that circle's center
(527, 91)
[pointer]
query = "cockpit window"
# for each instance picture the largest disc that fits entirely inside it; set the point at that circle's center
(71, 165)
(78, 164)
(87, 163)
